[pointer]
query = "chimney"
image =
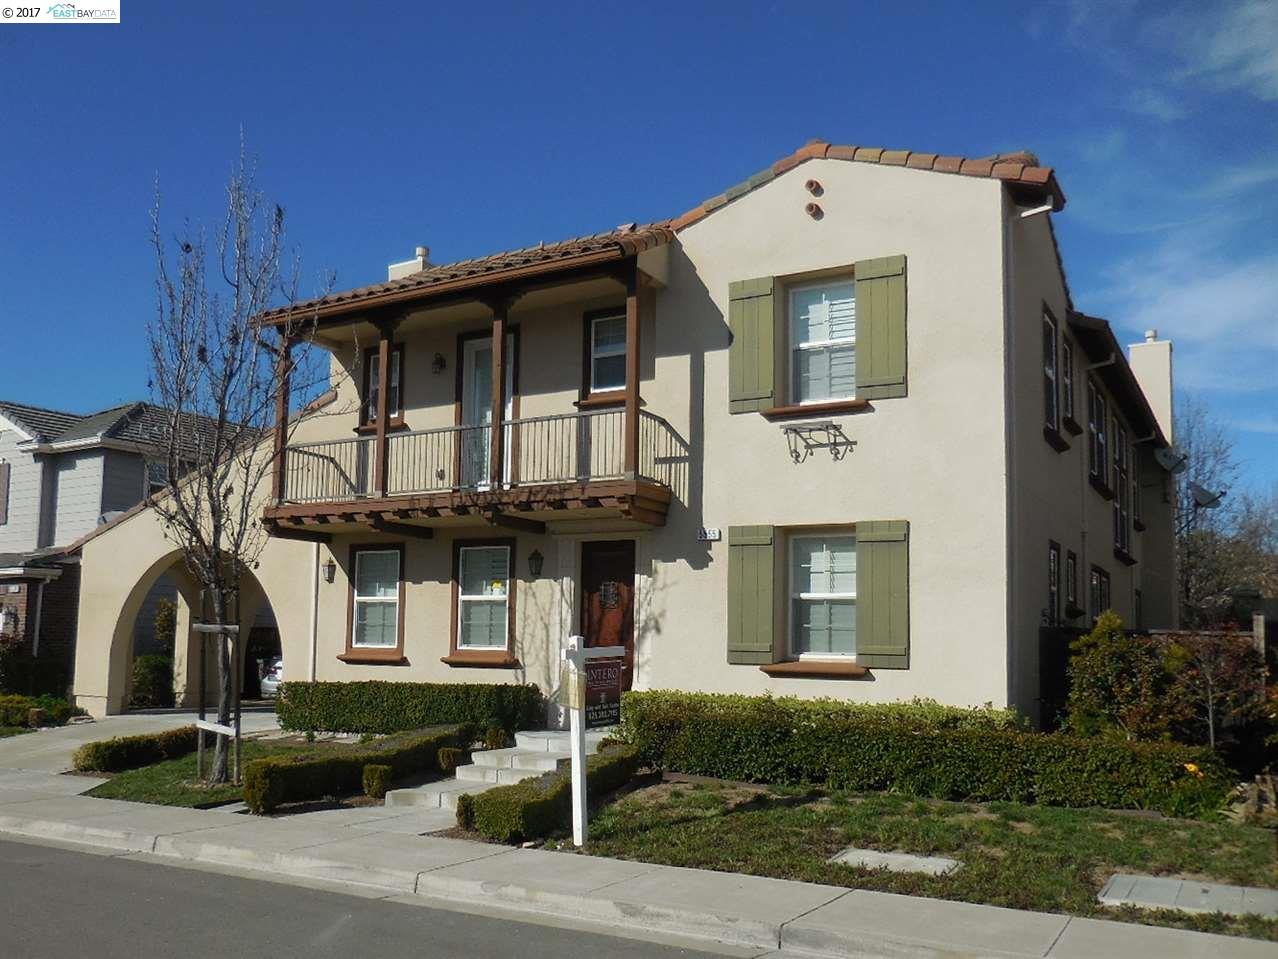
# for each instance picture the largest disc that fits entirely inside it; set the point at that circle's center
(419, 262)
(1151, 361)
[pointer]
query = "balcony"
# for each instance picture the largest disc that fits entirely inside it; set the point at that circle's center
(550, 465)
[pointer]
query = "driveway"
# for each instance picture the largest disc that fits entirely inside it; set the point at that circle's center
(49, 750)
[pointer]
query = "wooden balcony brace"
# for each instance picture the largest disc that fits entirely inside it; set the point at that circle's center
(633, 287)
(386, 331)
(282, 369)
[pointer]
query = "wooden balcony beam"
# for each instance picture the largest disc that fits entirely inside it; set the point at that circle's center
(279, 531)
(383, 525)
(518, 523)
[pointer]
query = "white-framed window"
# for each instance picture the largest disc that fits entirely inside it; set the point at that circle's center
(155, 478)
(483, 597)
(394, 406)
(607, 353)
(823, 595)
(1098, 438)
(1051, 389)
(375, 623)
(1067, 378)
(823, 341)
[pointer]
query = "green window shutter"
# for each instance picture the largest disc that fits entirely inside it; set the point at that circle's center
(880, 328)
(752, 309)
(750, 594)
(883, 594)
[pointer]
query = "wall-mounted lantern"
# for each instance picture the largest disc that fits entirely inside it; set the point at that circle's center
(330, 570)
(535, 563)
(438, 363)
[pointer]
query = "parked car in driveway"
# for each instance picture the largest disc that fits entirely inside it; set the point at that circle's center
(272, 678)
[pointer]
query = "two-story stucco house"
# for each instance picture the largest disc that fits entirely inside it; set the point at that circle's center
(838, 431)
(61, 476)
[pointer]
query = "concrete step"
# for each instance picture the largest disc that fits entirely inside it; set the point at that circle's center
(441, 795)
(491, 774)
(556, 740)
(516, 757)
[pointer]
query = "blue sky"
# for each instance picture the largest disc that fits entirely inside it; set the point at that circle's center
(488, 126)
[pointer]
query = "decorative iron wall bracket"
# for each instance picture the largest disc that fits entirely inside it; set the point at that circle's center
(804, 438)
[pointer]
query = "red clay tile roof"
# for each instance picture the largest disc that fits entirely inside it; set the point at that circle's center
(1020, 171)
(625, 241)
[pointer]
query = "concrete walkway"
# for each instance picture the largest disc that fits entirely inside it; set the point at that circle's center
(379, 848)
(50, 750)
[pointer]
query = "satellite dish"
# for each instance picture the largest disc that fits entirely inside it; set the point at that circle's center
(1205, 498)
(1172, 459)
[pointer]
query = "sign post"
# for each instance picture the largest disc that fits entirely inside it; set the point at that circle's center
(593, 700)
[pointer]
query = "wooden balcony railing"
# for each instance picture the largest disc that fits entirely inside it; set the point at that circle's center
(569, 448)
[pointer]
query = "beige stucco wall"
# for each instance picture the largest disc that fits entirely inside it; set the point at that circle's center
(1051, 498)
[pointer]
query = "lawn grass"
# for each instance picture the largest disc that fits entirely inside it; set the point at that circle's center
(12, 731)
(1023, 857)
(172, 783)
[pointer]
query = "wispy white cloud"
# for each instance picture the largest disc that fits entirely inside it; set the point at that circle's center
(1154, 103)
(1238, 179)
(1234, 47)
(1257, 424)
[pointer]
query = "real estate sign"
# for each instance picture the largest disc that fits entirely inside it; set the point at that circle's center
(603, 692)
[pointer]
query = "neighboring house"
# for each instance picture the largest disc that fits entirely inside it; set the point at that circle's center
(61, 476)
(839, 431)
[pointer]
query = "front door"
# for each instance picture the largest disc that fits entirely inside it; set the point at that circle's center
(608, 598)
(477, 409)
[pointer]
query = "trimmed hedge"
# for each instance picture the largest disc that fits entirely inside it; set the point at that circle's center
(377, 779)
(388, 707)
(152, 682)
(15, 710)
(784, 742)
(535, 808)
(131, 752)
(270, 782)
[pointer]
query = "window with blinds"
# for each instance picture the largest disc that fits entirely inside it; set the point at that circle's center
(823, 596)
(823, 341)
(483, 597)
(376, 599)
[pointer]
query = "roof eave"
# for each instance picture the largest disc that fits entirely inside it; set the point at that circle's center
(1098, 339)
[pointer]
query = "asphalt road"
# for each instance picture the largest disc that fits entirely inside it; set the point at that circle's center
(55, 902)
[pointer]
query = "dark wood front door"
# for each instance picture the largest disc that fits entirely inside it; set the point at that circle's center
(608, 598)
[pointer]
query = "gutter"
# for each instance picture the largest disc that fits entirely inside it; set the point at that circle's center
(43, 573)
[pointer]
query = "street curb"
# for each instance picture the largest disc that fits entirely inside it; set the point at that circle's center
(795, 936)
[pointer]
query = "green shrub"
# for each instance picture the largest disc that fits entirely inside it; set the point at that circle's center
(165, 623)
(152, 682)
(387, 707)
(16, 710)
(377, 779)
(535, 808)
(466, 811)
(496, 738)
(788, 743)
(450, 757)
(275, 780)
(130, 752)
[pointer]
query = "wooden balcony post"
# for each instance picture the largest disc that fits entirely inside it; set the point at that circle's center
(633, 287)
(386, 331)
(283, 363)
(497, 434)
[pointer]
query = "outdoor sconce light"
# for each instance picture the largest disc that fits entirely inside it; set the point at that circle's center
(535, 562)
(438, 363)
(330, 570)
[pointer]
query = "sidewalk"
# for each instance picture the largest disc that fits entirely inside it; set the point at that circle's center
(379, 848)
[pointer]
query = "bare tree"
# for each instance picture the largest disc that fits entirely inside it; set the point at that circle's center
(1220, 550)
(216, 373)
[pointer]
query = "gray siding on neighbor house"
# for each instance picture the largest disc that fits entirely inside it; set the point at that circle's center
(122, 480)
(22, 530)
(79, 495)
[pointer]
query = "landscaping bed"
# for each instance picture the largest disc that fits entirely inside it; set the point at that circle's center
(12, 731)
(1019, 856)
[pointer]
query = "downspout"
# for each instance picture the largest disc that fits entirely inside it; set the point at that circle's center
(315, 577)
(1009, 446)
(35, 642)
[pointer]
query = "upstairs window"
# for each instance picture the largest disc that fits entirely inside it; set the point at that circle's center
(607, 353)
(823, 596)
(1071, 582)
(823, 341)
(1067, 379)
(1051, 387)
(1099, 589)
(1122, 490)
(372, 385)
(1098, 438)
